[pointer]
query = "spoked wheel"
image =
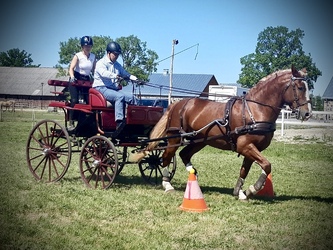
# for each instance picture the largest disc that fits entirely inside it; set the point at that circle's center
(48, 151)
(98, 162)
(151, 167)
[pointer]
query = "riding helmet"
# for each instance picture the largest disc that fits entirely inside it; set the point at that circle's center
(86, 40)
(113, 47)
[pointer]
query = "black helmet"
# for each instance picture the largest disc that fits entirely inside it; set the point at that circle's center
(113, 47)
(86, 40)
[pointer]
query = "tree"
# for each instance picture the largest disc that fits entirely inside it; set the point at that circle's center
(137, 58)
(317, 103)
(277, 48)
(16, 58)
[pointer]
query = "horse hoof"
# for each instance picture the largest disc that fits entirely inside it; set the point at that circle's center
(250, 192)
(170, 190)
(242, 196)
(167, 187)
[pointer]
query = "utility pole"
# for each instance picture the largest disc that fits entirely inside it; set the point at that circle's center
(174, 42)
(41, 102)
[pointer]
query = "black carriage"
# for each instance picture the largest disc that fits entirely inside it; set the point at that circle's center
(103, 149)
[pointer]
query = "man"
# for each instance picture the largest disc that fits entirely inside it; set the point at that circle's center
(108, 74)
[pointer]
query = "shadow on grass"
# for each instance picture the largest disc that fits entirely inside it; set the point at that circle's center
(276, 198)
(128, 181)
(300, 197)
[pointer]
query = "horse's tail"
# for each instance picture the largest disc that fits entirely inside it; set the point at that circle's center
(158, 131)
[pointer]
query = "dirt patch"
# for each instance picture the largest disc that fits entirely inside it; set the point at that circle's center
(305, 135)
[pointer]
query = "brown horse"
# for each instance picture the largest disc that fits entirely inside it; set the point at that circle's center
(8, 105)
(245, 125)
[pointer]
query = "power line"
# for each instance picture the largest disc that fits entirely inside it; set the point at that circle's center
(182, 52)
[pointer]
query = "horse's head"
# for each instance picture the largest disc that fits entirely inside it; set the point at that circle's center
(297, 96)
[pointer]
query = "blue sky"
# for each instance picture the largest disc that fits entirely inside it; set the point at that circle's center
(224, 30)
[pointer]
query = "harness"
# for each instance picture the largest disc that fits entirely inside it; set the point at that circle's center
(296, 99)
(253, 127)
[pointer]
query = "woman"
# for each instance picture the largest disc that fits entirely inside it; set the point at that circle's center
(81, 68)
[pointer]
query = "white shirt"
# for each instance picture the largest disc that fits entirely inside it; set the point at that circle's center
(85, 64)
(106, 73)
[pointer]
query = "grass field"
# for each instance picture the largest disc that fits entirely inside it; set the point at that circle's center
(133, 215)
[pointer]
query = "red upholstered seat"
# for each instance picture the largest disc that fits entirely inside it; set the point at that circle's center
(96, 99)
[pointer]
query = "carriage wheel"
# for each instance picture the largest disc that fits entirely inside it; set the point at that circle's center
(122, 156)
(48, 151)
(98, 162)
(151, 167)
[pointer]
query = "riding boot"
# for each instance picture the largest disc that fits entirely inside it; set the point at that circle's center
(71, 126)
(120, 124)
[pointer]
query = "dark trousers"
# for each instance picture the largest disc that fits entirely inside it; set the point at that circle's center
(75, 92)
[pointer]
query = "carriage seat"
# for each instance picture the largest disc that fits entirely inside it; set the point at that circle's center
(96, 99)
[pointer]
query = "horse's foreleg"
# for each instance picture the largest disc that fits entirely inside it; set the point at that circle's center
(254, 154)
(254, 189)
(246, 166)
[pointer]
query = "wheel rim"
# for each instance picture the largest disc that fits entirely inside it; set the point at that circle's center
(98, 162)
(48, 151)
(151, 167)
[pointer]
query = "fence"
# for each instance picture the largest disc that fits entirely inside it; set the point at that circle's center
(318, 119)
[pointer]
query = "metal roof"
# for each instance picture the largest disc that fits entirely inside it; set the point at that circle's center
(183, 85)
(328, 94)
(28, 81)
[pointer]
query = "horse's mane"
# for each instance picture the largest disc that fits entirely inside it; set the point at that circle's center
(269, 78)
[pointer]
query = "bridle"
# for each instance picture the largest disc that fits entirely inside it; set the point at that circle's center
(296, 99)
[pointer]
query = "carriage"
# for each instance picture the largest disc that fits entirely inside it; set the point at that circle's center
(244, 125)
(103, 149)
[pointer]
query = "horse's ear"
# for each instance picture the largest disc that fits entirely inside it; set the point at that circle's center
(304, 70)
(294, 71)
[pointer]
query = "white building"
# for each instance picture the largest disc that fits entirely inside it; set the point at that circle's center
(221, 93)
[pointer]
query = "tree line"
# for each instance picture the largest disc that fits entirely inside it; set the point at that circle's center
(277, 48)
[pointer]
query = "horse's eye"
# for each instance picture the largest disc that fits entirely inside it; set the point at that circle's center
(301, 88)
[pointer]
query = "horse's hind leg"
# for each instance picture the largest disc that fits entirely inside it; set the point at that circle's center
(167, 156)
(187, 153)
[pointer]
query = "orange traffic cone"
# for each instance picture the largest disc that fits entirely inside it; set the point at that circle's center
(193, 198)
(267, 191)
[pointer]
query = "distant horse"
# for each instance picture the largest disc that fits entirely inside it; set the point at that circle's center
(8, 105)
(245, 125)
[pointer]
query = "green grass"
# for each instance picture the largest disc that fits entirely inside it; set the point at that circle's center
(133, 215)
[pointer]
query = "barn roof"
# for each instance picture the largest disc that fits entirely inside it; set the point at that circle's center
(183, 85)
(328, 94)
(27, 81)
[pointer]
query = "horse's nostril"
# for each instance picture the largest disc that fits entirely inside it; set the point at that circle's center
(307, 115)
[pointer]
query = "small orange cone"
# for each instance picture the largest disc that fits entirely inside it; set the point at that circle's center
(267, 191)
(193, 198)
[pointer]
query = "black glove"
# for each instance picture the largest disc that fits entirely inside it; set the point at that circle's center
(140, 82)
(72, 79)
(120, 77)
